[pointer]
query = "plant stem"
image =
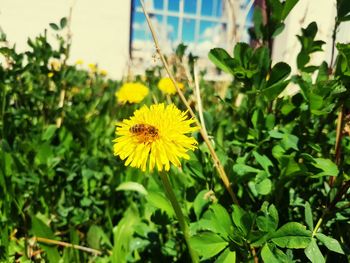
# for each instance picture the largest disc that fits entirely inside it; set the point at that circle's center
(217, 163)
(65, 244)
(334, 37)
(180, 216)
(319, 222)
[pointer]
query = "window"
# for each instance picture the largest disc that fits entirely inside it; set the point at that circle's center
(200, 24)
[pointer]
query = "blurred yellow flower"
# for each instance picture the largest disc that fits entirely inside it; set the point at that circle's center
(50, 74)
(75, 90)
(92, 67)
(79, 62)
(156, 136)
(103, 72)
(55, 65)
(132, 92)
(168, 87)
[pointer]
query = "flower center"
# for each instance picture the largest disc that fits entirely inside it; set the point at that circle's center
(145, 133)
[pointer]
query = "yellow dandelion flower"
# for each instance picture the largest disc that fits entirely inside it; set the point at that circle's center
(168, 87)
(155, 135)
(132, 92)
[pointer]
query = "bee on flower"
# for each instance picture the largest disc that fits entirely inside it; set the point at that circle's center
(155, 136)
(168, 87)
(131, 92)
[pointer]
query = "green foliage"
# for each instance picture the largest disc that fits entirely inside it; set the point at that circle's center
(60, 181)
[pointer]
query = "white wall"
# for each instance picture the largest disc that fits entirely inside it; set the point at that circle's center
(286, 45)
(100, 28)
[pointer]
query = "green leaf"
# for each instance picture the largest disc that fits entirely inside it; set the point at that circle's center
(263, 160)
(54, 26)
(95, 236)
(227, 256)
(292, 235)
(313, 253)
(132, 186)
(40, 229)
(258, 22)
(207, 244)
(122, 234)
(278, 30)
(327, 166)
(308, 216)
(49, 132)
(241, 219)
(288, 6)
(263, 185)
(279, 71)
(44, 153)
(274, 90)
(277, 83)
(219, 56)
(200, 202)
(269, 221)
(290, 141)
(159, 201)
(216, 220)
(63, 22)
(243, 169)
(267, 255)
(331, 243)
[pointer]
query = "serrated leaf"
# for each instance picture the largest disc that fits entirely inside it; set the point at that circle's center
(207, 244)
(331, 243)
(292, 235)
(313, 252)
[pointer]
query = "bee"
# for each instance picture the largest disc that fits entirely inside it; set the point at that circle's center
(145, 132)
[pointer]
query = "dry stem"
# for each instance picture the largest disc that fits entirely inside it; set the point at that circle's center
(65, 244)
(216, 160)
(199, 100)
